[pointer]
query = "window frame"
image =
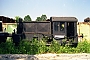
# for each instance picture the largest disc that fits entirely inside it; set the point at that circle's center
(57, 26)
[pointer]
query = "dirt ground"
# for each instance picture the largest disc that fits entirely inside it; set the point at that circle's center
(48, 56)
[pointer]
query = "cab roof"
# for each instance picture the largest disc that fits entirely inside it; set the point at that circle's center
(71, 19)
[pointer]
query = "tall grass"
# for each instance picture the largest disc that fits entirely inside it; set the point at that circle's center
(39, 46)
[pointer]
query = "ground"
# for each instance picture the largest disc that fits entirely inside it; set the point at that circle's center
(48, 56)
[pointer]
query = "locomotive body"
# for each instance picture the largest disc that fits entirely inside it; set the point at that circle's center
(58, 28)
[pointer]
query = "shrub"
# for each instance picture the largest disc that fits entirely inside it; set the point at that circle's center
(83, 47)
(39, 47)
(54, 47)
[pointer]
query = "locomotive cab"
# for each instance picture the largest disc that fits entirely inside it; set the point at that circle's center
(65, 28)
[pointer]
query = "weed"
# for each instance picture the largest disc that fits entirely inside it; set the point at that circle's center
(39, 46)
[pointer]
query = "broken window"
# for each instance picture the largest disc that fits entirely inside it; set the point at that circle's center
(62, 25)
(59, 26)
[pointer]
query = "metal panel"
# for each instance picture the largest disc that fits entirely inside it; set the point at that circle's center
(36, 29)
(39, 27)
(30, 36)
(43, 27)
(76, 35)
(30, 27)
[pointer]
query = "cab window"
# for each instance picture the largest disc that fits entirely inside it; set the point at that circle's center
(62, 26)
(56, 26)
(59, 26)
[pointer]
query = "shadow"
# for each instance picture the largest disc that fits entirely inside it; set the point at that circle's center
(17, 57)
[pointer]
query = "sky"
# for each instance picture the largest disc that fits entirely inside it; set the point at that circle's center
(35, 8)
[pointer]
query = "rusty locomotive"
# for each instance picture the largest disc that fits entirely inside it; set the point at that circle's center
(57, 28)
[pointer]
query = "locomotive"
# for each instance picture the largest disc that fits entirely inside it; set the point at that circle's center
(58, 28)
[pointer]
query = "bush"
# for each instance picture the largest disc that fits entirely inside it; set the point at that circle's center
(83, 47)
(54, 47)
(39, 47)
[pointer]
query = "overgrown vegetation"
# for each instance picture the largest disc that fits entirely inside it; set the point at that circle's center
(39, 46)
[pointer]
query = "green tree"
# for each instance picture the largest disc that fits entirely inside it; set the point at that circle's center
(27, 18)
(17, 18)
(38, 19)
(42, 18)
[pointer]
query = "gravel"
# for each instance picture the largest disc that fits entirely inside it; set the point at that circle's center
(48, 56)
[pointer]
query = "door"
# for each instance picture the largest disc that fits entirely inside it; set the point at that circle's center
(70, 29)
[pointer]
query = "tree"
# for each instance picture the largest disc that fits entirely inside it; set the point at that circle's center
(42, 18)
(38, 19)
(17, 18)
(27, 18)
